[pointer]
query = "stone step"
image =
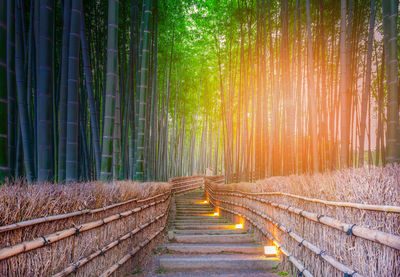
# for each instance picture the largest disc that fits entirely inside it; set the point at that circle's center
(219, 273)
(230, 262)
(194, 207)
(192, 213)
(215, 248)
(206, 227)
(200, 224)
(211, 232)
(195, 216)
(195, 210)
(200, 221)
(228, 238)
(209, 211)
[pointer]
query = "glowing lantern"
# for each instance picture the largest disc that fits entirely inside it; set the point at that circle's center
(270, 250)
(239, 226)
(205, 201)
(216, 214)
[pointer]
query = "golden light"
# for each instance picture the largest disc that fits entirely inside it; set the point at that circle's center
(239, 226)
(270, 250)
(216, 214)
(205, 201)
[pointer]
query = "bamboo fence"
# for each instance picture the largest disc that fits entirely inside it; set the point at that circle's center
(184, 184)
(101, 241)
(304, 229)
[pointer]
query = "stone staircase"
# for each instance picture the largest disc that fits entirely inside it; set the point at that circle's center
(202, 244)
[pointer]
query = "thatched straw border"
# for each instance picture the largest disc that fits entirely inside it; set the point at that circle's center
(384, 238)
(47, 219)
(48, 239)
(316, 250)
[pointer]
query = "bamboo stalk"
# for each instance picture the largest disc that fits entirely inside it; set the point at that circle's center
(124, 259)
(74, 266)
(23, 247)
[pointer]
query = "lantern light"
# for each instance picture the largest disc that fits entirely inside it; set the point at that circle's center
(205, 201)
(239, 226)
(216, 214)
(270, 250)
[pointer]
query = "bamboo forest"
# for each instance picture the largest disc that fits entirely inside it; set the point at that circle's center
(253, 110)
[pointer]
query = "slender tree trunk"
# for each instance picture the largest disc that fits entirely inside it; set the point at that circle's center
(367, 86)
(92, 102)
(111, 85)
(312, 96)
(390, 13)
(63, 96)
(4, 168)
(26, 127)
(45, 134)
(344, 114)
(143, 90)
(11, 88)
(117, 135)
(73, 93)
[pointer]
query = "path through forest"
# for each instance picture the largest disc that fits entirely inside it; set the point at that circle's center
(202, 243)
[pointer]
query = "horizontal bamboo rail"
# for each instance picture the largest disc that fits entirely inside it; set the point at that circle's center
(48, 239)
(291, 258)
(370, 207)
(186, 179)
(153, 197)
(384, 238)
(186, 190)
(75, 266)
(316, 250)
(190, 187)
(124, 259)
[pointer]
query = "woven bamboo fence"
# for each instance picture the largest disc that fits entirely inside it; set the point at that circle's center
(317, 237)
(110, 240)
(184, 184)
(91, 242)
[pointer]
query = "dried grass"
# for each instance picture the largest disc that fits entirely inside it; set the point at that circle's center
(380, 186)
(19, 202)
